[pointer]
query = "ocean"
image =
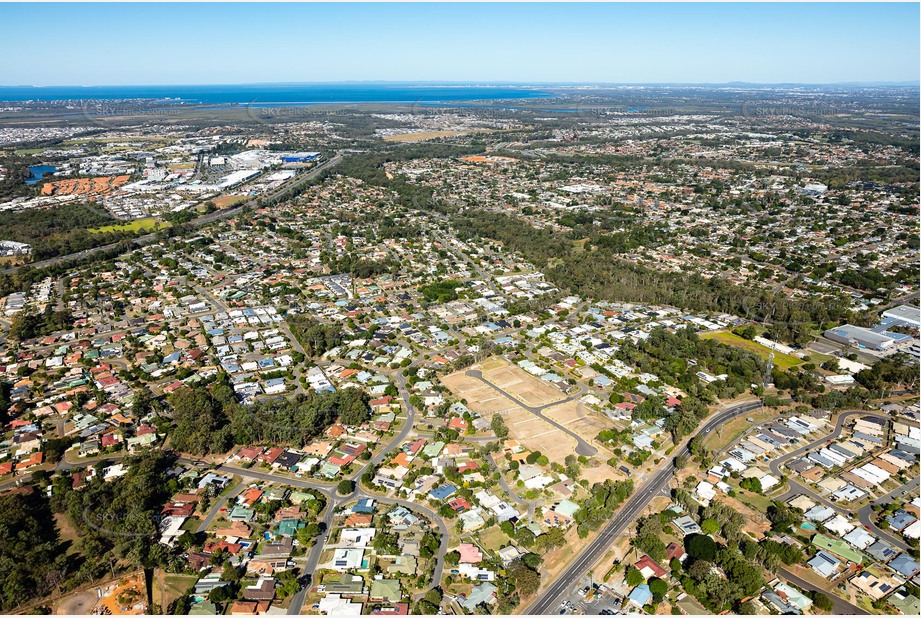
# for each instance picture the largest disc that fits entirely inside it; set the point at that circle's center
(284, 94)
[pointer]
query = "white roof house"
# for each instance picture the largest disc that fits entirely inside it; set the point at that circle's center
(705, 492)
(336, 605)
(839, 525)
(345, 559)
(357, 537)
(859, 538)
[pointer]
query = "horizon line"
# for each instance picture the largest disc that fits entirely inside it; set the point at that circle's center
(478, 83)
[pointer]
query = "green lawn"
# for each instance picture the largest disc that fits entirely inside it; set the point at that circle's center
(149, 224)
(718, 440)
(756, 501)
(781, 360)
(173, 585)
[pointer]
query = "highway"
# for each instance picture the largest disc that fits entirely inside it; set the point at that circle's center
(548, 600)
(147, 239)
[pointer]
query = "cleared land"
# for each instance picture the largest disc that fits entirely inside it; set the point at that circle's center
(519, 383)
(422, 135)
(721, 438)
(488, 159)
(84, 186)
(577, 418)
(781, 360)
(173, 585)
(77, 603)
(532, 431)
(226, 201)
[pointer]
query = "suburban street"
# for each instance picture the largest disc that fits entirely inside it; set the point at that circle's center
(865, 515)
(839, 605)
(547, 601)
(797, 488)
(582, 448)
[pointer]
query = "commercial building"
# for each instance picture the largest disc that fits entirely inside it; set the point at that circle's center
(905, 315)
(849, 334)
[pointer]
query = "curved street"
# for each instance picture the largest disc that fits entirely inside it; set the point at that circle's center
(864, 514)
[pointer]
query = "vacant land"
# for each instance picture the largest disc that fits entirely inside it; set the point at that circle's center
(488, 159)
(148, 224)
(781, 360)
(84, 186)
(173, 585)
(724, 436)
(532, 431)
(492, 539)
(519, 383)
(578, 418)
(77, 603)
(226, 201)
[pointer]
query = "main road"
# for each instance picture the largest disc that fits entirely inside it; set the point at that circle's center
(548, 600)
(147, 239)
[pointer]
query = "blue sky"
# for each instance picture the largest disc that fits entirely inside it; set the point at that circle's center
(116, 44)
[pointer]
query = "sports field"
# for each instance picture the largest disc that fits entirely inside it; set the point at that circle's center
(149, 224)
(226, 201)
(781, 360)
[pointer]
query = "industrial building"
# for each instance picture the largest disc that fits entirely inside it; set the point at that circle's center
(849, 334)
(9, 247)
(905, 315)
(300, 157)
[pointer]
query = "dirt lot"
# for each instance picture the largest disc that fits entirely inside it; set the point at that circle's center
(225, 201)
(77, 604)
(84, 186)
(531, 431)
(576, 417)
(519, 383)
(420, 136)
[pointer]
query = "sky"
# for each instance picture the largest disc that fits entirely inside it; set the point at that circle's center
(140, 44)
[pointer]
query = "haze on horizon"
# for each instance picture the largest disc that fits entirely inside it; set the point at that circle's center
(183, 44)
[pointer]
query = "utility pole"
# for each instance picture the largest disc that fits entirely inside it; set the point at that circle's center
(767, 377)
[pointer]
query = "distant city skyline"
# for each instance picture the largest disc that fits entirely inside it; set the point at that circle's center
(184, 44)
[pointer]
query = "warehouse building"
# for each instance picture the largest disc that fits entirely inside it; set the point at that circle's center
(861, 337)
(905, 315)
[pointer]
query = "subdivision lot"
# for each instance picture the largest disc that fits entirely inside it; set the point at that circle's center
(518, 383)
(574, 416)
(532, 431)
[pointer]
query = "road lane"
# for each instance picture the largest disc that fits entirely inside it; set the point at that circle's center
(548, 600)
